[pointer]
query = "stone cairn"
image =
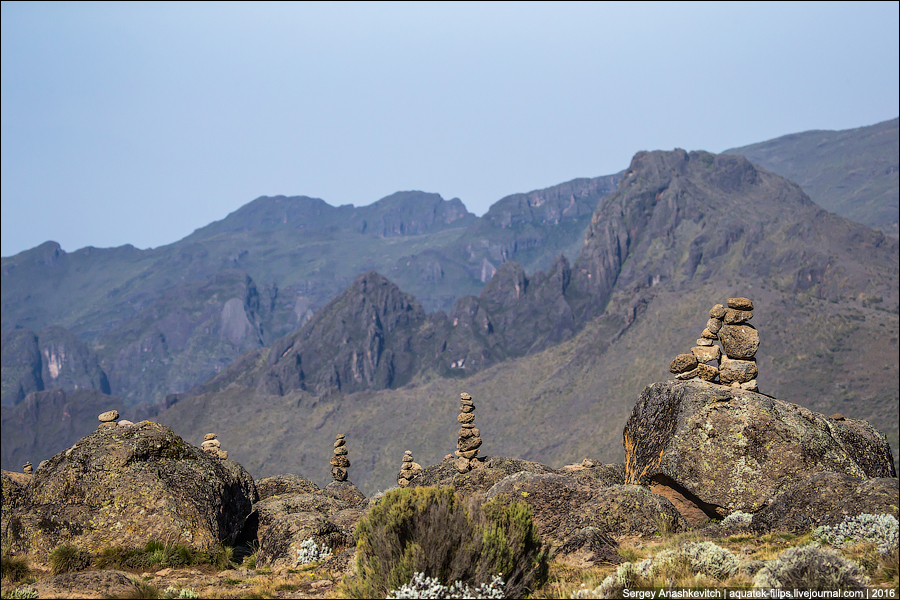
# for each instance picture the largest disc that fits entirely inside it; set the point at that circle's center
(735, 361)
(469, 437)
(339, 462)
(27, 468)
(212, 446)
(408, 469)
(108, 419)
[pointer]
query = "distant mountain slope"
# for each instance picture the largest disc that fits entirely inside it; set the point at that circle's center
(298, 254)
(853, 172)
(556, 360)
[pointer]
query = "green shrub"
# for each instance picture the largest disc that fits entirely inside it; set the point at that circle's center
(160, 554)
(811, 567)
(221, 557)
(67, 558)
(432, 532)
(23, 592)
(13, 568)
(121, 558)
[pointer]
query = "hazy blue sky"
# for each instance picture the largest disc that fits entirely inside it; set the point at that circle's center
(138, 123)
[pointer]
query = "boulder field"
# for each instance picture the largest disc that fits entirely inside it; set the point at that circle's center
(694, 452)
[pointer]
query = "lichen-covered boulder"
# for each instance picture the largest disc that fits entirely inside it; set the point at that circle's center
(279, 485)
(488, 471)
(827, 499)
(12, 489)
(280, 547)
(598, 475)
(562, 507)
(271, 510)
(730, 449)
(285, 522)
(125, 486)
(345, 491)
(88, 584)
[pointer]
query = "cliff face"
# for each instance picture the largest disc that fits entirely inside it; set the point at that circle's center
(51, 359)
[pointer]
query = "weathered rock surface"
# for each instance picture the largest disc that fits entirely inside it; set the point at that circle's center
(739, 341)
(734, 449)
(478, 480)
(123, 486)
(562, 507)
(284, 522)
(280, 485)
(600, 475)
(278, 548)
(345, 491)
(88, 584)
(827, 499)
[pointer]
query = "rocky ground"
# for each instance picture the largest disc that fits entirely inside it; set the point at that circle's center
(132, 510)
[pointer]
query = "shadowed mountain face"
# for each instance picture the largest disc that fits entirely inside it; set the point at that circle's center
(51, 359)
(555, 361)
(854, 173)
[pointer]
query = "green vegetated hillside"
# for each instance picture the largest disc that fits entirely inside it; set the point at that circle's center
(853, 173)
(682, 232)
(167, 319)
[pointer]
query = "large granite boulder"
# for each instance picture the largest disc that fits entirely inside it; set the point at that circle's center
(12, 489)
(89, 584)
(125, 486)
(489, 471)
(728, 449)
(279, 485)
(827, 499)
(562, 507)
(284, 522)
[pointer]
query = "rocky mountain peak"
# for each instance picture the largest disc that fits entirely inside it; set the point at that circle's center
(680, 217)
(359, 340)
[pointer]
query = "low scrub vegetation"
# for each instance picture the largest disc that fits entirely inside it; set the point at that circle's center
(67, 558)
(430, 533)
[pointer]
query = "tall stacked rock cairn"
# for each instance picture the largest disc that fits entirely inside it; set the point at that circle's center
(407, 469)
(469, 437)
(339, 462)
(28, 468)
(735, 361)
(212, 446)
(108, 419)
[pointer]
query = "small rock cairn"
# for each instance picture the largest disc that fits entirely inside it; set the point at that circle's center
(339, 462)
(108, 419)
(408, 469)
(212, 446)
(735, 361)
(469, 437)
(27, 468)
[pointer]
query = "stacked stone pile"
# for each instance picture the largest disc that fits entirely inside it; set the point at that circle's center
(212, 446)
(735, 360)
(339, 462)
(108, 419)
(27, 468)
(408, 469)
(469, 436)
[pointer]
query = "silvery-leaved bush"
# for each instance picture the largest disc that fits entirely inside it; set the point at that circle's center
(422, 586)
(811, 567)
(309, 552)
(738, 518)
(880, 529)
